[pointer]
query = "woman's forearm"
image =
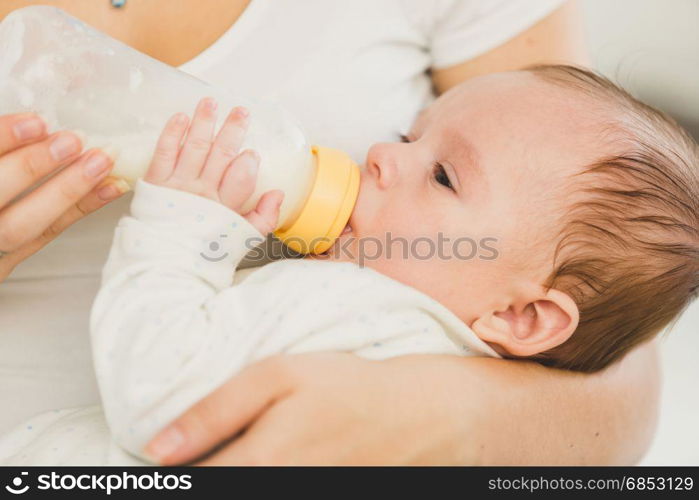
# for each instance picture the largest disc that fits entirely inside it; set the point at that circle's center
(419, 409)
(523, 413)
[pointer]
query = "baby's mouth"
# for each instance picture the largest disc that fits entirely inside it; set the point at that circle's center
(346, 230)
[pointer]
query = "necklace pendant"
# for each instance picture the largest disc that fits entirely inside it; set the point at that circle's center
(118, 3)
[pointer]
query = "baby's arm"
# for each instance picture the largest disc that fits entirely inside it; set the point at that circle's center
(163, 321)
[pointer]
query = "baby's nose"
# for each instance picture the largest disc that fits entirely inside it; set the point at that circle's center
(381, 164)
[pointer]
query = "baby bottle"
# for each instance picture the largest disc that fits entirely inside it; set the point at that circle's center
(119, 99)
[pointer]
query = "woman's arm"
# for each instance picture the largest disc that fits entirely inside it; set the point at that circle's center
(332, 408)
(558, 38)
(537, 415)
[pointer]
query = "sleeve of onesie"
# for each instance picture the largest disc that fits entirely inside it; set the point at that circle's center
(456, 31)
(166, 304)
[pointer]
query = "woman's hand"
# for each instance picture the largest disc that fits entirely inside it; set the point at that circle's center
(326, 408)
(77, 185)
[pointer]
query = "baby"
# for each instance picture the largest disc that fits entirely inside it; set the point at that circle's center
(541, 214)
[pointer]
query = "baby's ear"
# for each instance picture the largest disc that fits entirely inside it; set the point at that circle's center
(530, 327)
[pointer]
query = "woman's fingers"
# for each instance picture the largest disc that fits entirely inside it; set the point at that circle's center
(20, 129)
(28, 218)
(167, 150)
(198, 143)
(262, 441)
(266, 214)
(107, 191)
(226, 146)
(221, 415)
(238, 182)
(24, 167)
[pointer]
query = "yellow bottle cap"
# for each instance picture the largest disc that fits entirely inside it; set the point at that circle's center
(328, 206)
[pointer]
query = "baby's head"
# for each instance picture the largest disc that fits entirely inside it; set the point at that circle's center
(551, 211)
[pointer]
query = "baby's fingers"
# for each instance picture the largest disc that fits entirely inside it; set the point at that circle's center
(197, 146)
(167, 150)
(238, 181)
(265, 216)
(226, 146)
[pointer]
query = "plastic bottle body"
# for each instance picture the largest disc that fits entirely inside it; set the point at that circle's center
(79, 79)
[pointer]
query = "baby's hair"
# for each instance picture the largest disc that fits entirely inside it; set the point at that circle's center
(628, 249)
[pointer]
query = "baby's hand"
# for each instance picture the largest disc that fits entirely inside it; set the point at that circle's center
(213, 168)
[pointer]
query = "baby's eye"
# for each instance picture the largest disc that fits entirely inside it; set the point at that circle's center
(440, 175)
(438, 171)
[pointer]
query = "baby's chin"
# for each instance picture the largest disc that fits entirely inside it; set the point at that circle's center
(343, 243)
(342, 250)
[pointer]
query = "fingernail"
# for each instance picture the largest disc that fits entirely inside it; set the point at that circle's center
(111, 150)
(238, 114)
(210, 104)
(96, 165)
(165, 444)
(64, 146)
(47, 123)
(113, 190)
(29, 128)
(180, 119)
(80, 134)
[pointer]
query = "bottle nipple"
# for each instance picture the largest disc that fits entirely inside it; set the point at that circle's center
(328, 206)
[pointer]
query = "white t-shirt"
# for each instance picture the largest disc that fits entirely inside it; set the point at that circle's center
(353, 73)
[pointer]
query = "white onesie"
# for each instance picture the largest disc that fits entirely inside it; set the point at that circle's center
(171, 323)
